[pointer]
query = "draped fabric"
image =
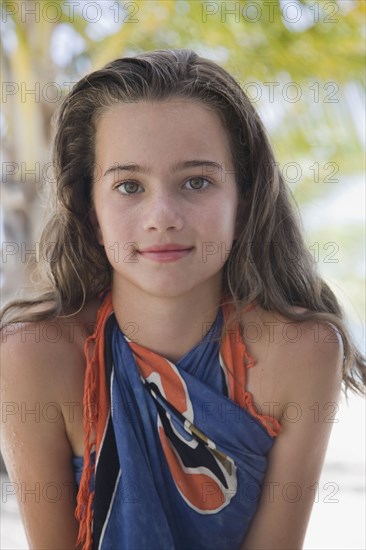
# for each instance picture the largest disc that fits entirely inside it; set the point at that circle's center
(181, 450)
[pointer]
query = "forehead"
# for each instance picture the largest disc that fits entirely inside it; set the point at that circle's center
(161, 127)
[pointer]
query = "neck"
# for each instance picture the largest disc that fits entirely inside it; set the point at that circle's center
(168, 326)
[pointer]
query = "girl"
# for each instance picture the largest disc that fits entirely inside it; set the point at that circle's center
(171, 363)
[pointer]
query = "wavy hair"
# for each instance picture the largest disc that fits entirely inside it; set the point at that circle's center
(269, 261)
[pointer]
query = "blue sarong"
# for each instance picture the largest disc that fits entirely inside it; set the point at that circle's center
(181, 451)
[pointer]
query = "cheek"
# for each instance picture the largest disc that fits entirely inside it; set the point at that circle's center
(94, 220)
(99, 235)
(226, 220)
(117, 230)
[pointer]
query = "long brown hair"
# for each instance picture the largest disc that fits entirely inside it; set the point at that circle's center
(269, 261)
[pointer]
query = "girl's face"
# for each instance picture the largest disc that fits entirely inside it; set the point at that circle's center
(164, 175)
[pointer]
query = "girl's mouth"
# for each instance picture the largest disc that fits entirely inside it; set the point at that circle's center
(165, 255)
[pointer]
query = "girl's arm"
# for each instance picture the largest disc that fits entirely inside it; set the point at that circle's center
(313, 381)
(35, 446)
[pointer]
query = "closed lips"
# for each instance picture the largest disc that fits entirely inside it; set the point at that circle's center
(166, 248)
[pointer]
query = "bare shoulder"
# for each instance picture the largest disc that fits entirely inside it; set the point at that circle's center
(43, 368)
(311, 353)
(38, 354)
(303, 362)
(293, 359)
(42, 375)
(37, 362)
(39, 348)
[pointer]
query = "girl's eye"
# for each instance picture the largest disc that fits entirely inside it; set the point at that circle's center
(196, 183)
(130, 187)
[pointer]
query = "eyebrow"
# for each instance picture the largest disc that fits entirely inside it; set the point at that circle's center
(180, 165)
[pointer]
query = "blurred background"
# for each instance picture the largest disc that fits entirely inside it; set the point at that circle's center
(302, 64)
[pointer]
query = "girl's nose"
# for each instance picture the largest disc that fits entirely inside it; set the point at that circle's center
(163, 212)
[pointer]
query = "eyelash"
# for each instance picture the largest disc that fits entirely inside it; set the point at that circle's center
(119, 185)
